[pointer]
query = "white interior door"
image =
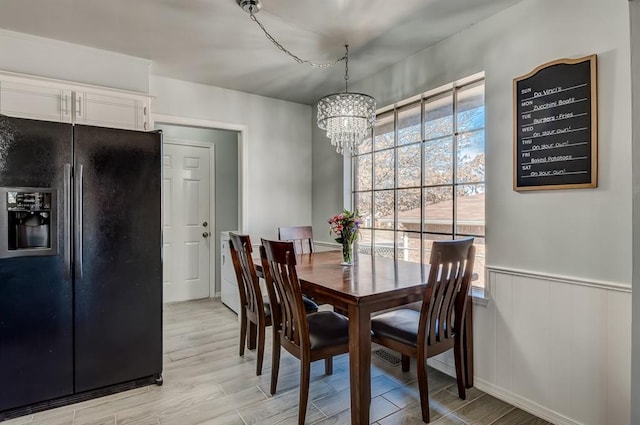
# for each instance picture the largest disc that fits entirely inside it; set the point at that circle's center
(187, 222)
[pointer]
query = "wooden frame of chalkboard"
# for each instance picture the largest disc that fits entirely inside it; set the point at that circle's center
(555, 126)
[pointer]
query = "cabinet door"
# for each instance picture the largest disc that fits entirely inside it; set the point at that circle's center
(35, 101)
(110, 111)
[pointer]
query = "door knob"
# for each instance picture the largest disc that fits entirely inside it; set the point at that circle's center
(206, 234)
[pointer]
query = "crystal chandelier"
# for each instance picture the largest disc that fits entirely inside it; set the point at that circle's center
(346, 116)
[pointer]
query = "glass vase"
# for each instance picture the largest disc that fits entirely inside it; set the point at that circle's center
(347, 253)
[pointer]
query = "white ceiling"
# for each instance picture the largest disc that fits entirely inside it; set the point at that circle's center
(214, 41)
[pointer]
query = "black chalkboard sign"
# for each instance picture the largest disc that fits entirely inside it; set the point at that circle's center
(555, 126)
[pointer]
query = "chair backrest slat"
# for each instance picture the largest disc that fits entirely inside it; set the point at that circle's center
(301, 236)
(444, 302)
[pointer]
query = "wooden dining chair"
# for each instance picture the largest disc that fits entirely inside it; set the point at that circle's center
(312, 337)
(301, 236)
(439, 325)
(255, 311)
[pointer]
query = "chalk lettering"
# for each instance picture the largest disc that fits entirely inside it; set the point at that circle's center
(560, 158)
(543, 120)
(545, 106)
(547, 92)
(566, 101)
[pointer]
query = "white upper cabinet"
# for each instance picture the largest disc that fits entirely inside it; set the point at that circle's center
(34, 101)
(52, 100)
(110, 110)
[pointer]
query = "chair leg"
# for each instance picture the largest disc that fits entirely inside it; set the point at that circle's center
(328, 366)
(260, 357)
(423, 386)
(460, 369)
(275, 362)
(253, 331)
(305, 374)
(406, 363)
(243, 330)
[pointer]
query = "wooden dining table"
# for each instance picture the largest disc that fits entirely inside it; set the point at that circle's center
(371, 284)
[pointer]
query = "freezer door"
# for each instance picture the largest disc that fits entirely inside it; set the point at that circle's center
(118, 273)
(36, 345)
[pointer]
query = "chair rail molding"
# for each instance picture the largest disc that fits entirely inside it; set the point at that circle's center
(612, 286)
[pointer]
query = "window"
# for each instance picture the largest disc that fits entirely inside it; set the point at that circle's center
(420, 176)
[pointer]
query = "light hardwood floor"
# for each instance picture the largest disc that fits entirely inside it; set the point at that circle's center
(206, 382)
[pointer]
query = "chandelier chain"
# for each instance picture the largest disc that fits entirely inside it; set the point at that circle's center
(346, 69)
(294, 57)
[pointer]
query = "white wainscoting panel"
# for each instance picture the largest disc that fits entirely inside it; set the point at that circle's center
(557, 347)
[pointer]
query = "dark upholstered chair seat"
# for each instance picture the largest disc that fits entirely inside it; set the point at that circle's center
(309, 306)
(401, 325)
(327, 329)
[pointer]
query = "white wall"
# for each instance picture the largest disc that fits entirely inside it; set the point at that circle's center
(278, 148)
(555, 336)
(44, 57)
(634, 8)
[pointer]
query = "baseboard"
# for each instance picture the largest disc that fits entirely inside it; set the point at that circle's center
(523, 403)
(441, 366)
(506, 396)
(79, 397)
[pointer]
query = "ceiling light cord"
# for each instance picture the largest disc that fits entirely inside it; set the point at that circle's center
(287, 52)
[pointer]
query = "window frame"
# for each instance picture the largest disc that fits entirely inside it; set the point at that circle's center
(480, 293)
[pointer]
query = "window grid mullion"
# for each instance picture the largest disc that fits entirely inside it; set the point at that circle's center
(422, 177)
(395, 182)
(373, 191)
(455, 161)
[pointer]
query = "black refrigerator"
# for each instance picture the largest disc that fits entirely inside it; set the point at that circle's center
(80, 261)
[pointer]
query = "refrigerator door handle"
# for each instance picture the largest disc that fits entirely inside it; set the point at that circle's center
(67, 221)
(78, 222)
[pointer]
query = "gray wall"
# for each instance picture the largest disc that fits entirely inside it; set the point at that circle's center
(278, 147)
(327, 180)
(529, 231)
(226, 176)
